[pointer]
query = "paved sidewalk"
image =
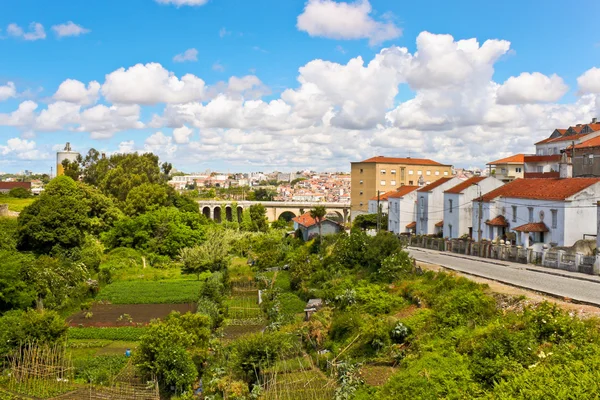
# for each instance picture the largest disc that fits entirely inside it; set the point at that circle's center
(529, 267)
(579, 288)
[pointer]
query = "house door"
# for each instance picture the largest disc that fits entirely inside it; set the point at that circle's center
(471, 232)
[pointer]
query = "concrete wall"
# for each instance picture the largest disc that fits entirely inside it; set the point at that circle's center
(586, 162)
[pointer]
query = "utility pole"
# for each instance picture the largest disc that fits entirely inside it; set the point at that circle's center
(378, 213)
(479, 216)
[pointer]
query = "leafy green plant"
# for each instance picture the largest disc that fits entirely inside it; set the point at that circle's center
(122, 333)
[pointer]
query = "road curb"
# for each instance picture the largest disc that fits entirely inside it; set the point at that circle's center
(554, 295)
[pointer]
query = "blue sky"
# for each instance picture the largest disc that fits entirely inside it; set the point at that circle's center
(270, 41)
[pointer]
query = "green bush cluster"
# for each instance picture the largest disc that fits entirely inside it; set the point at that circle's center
(99, 370)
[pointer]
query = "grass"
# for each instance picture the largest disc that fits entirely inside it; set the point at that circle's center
(123, 334)
(15, 204)
(175, 291)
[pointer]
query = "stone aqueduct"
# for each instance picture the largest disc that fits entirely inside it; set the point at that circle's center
(224, 210)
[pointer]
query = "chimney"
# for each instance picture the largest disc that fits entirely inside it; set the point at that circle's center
(565, 166)
(594, 120)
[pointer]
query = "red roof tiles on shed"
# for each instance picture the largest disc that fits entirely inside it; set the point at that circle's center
(516, 159)
(594, 142)
(306, 220)
(532, 227)
(402, 191)
(412, 225)
(498, 221)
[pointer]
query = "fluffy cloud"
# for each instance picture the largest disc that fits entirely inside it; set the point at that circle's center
(182, 134)
(531, 88)
(69, 29)
(23, 116)
(74, 91)
(334, 20)
(188, 55)
(127, 146)
(151, 84)
(160, 144)
(180, 3)
(589, 82)
(7, 91)
(103, 122)
(22, 149)
(36, 31)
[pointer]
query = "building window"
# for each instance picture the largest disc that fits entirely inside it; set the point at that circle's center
(410, 172)
(518, 169)
(445, 173)
(588, 159)
(422, 203)
(428, 172)
(402, 174)
(383, 172)
(514, 213)
(361, 170)
(410, 182)
(419, 172)
(450, 206)
(437, 172)
(554, 219)
(393, 183)
(393, 172)
(450, 230)
(361, 193)
(361, 203)
(530, 209)
(361, 182)
(540, 168)
(382, 183)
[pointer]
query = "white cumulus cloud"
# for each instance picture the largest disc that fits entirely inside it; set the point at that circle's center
(188, 55)
(74, 91)
(36, 31)
(182, 134)
(69, 29)
(531, 88)
(151, 84)
(180, 3)
(589, 82)
(160, 144)
(7, 91)
(341, 20)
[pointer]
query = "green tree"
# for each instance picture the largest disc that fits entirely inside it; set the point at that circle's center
(19, 193)
(8, 233)
(258, 214)
(163, 350)
(318, 214)
(246, 224)
(71, 169)
(146, 197)
(32, 326)
(15, 292)
(58, 217)
(212, 255)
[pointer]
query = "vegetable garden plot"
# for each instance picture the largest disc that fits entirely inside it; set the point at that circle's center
(151, 292)
(122, 315)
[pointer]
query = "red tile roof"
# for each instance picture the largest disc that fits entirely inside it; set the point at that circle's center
(406, 160)
(435, 184)
(568, 138)
(466, 184)
(553, 157)
(13, 185)
(306, 220)
(532, 227)
(383, 196)
(541, 188)
(530, 175)
(412, 225)
(516, 159)
(440, 224)
(498, 221)
(594, 142)
(402, 191)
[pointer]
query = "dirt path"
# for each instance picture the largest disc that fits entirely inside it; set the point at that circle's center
(585, 311)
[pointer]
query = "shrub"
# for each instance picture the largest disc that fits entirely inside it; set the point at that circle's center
(99, 369)
(18, 327)
(124, 333)
(19, 193)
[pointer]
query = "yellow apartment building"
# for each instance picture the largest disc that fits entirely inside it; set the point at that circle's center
(388, 173)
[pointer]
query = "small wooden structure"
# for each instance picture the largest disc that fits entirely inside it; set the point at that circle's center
(312, 306)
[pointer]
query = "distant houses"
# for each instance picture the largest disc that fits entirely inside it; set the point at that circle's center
(309, 227)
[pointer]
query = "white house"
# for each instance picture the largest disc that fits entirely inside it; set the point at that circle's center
(554, 211)
(383, 202)
(458, 205)
(430, 207)
(402, 207)
(309, 228)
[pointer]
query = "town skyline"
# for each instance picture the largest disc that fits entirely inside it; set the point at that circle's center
(212, 89)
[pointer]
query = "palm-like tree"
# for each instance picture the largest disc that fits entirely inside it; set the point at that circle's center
(318, 213)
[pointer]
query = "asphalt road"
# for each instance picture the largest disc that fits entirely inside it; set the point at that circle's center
(516, 275)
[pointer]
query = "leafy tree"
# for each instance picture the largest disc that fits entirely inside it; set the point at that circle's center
(164, 231)
(258, 214)
(8, 233)
(32, 326)
(318, 214)
(103, 213)
(369, 221)
(71, 169)
(55, 281)
(279, 224)
(212, 255)
(246, 224)
(19, 193)
(15, 292)
(146, 197)
(263, 195)
(162, 351)
(58, 217)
